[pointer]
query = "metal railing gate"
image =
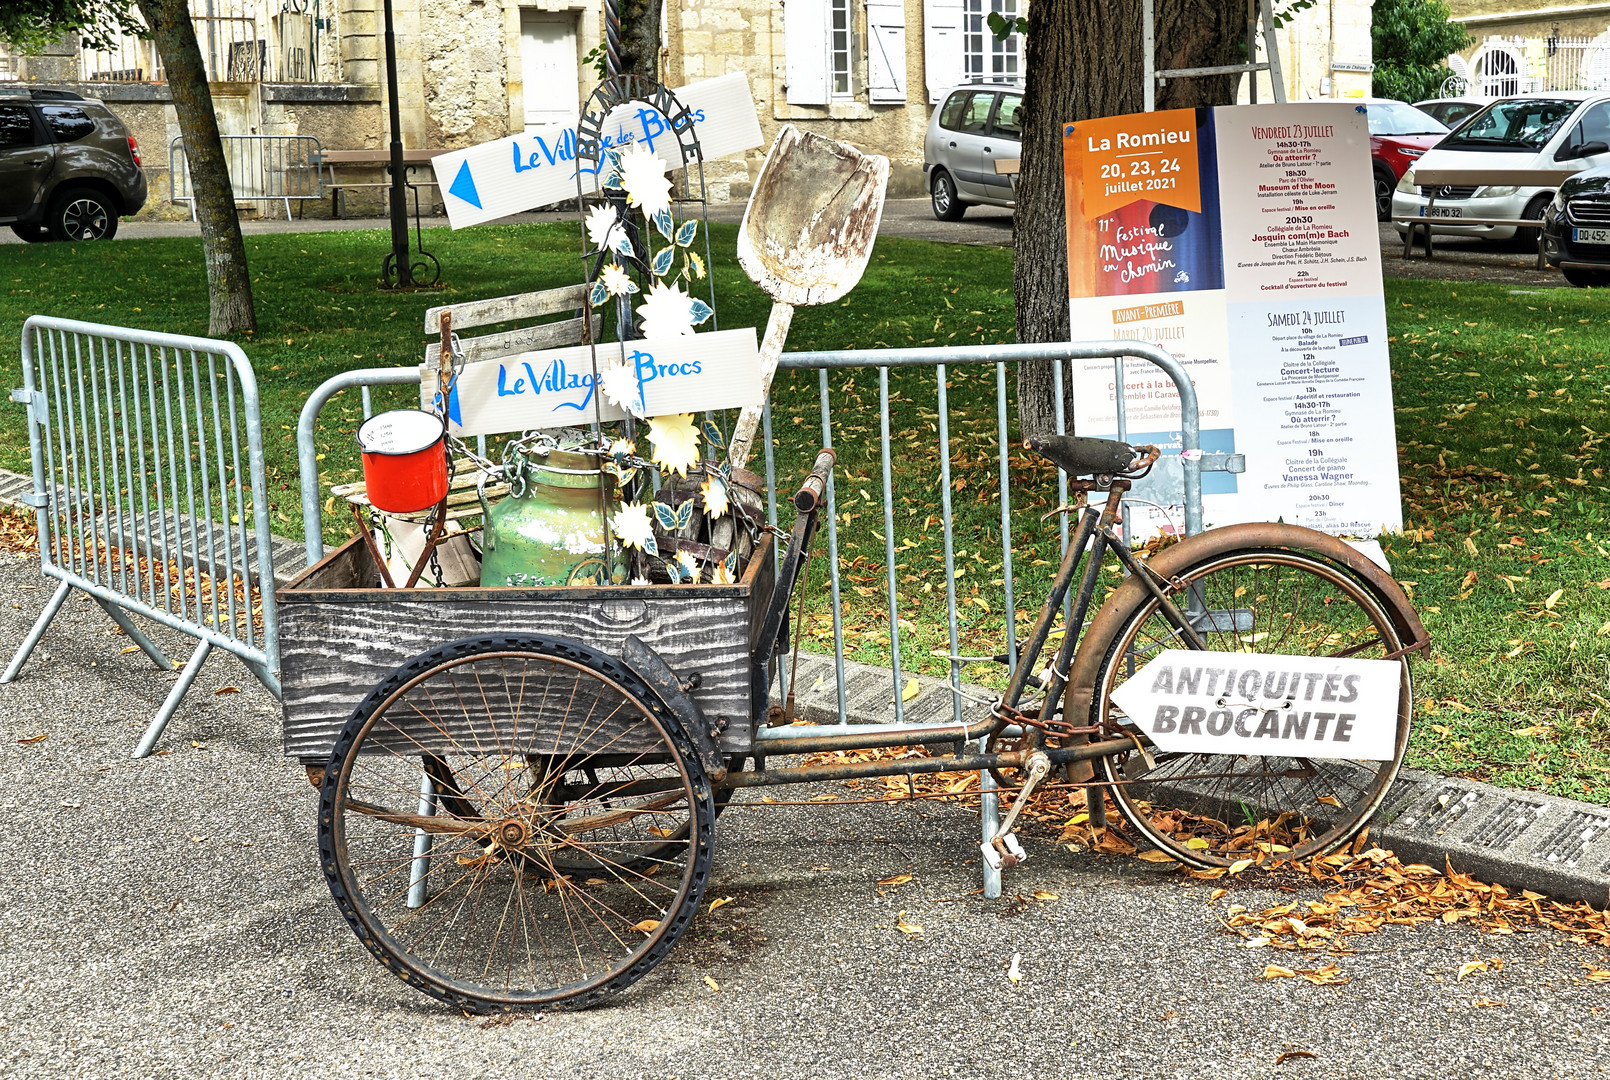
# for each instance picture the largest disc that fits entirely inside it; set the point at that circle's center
(149, 492)
(1179, 483)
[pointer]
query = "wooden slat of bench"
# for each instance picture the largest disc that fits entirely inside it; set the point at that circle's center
(552, 335)
(376, 157)
(508, 308)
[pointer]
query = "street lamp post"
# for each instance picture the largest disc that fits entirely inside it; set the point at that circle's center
(400, 263)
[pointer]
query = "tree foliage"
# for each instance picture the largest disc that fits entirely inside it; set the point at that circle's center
(30, 25)
(1412, 40)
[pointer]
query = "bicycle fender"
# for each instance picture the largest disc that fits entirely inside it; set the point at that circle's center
(1180, 557)
(649, 666)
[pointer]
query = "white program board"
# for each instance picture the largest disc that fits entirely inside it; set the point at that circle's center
(1243, 240)
(537, 168)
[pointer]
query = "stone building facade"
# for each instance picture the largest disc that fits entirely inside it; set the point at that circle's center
(868, 72)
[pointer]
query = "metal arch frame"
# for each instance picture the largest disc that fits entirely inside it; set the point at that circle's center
(78, 496)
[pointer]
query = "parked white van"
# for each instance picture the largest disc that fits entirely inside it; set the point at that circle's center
(1541, 130)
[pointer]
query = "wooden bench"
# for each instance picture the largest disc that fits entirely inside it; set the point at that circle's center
(1424, 222)
(371, 159)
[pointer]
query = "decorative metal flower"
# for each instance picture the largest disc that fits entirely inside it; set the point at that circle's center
(689, 566)
(617, 280)
(722, 576)
(676, 442)
(667, 311)
(620, 386)
(632, 524)
(715, 497)
(604, 229)
(643, 177)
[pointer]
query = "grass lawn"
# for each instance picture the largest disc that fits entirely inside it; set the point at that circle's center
(1501, 408)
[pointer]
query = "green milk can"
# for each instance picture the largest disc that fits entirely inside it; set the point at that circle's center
(550, 528)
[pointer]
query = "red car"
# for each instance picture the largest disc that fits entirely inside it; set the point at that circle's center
(1399, 134)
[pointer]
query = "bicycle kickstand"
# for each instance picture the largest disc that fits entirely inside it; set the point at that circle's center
(1003, 850)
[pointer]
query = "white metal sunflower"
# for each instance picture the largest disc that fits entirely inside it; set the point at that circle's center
(619, 383)
(666, 311)
(689, 565)
(676, 442)
(631, 523)
(603, 226)
(643, 177)
(617, 280)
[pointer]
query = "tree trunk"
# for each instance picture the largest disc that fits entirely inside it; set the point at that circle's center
(640, 38)
(229, 284)
(1083, 61)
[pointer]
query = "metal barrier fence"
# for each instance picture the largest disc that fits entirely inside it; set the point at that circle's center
(268, 168)
(149, 491)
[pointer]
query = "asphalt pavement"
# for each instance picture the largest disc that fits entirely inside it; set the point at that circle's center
(167, 918)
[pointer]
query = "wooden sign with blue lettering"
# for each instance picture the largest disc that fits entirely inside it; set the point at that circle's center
(533, 169)
(556, 387)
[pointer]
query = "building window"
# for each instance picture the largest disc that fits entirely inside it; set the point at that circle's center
(839, 47)
(985, 57)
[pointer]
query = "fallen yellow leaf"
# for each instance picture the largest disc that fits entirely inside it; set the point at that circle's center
(1043, 896)
(898, 879)
(913, 688)
(1331, 800)
(33, 739)
(1196, 843)
(1275, 971)
(226, 690)
(647, 926)
(1528, 732)
(904, 927)
(1470, 967)
(1240, 865)
(1470, 546)
(723, 902)
(1155, 856)
(715, 988)
(1554, 598)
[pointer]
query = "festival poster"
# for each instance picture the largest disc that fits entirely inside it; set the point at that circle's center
(1193, 229)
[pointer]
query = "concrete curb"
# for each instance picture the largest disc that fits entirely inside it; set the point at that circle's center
(1518, 839)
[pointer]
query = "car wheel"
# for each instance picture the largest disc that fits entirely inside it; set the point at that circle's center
(1527, 239)
(1586, 279)
(1384, 186)
(34, 234)
(947, 205)
(81, 214)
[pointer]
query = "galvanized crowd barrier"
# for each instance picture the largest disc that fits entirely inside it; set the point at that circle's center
(149, 492)
(1180, 484)
(268, 168)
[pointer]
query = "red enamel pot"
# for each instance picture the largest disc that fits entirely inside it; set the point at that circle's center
(404, 460)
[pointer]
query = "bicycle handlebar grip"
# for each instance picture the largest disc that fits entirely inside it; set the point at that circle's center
(810, 493)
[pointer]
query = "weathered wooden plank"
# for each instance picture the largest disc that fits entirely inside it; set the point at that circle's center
(499, 309)
(349, 566)
(552, 335)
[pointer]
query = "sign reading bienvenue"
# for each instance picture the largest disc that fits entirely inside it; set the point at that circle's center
(523, 172)
(555, 387)
(1244, 703)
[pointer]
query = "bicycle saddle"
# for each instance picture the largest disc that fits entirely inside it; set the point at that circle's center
(1079, 456)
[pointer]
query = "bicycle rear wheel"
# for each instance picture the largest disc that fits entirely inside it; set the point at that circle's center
(1210, 809)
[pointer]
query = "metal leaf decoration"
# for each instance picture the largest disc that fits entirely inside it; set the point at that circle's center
(662, 263)
(732, 564)
(713, 437)
(699, 310)
(665, 224)
(684, 515)
(666, 517)
(599, 294)
(622, 244)
(694, 267)
(685, 235)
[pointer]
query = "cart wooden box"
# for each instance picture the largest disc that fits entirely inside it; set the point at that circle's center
(340, 636)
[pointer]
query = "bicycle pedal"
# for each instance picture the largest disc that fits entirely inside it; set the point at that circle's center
(1003, 852)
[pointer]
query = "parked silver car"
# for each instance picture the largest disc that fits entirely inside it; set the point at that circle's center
(974, 127)
(68, 167)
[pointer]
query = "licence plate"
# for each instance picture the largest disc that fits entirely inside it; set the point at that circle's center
(1590, 236)
(1442, 211)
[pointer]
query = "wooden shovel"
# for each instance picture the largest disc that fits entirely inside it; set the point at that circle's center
(805, 240)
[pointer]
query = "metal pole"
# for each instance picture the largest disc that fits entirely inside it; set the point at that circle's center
(399, 189)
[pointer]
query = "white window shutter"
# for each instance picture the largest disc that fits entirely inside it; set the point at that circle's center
(886, 52)
(942, 46)
(805, 40)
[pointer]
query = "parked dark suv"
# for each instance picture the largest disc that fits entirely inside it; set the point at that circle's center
(1576, 228)
(68, 167)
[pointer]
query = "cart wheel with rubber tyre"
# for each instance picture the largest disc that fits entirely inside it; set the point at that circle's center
(515, 821)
